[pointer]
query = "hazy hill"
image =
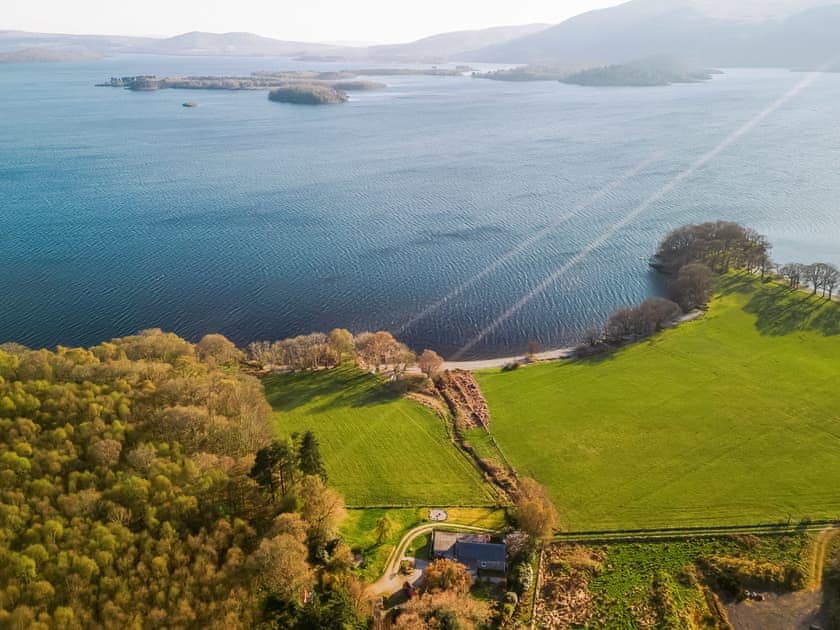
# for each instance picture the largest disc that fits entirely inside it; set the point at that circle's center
(195, 43)
(437, 48)
(447, 46)
(47, 54)
(245, 44)
(710, 32)
(103, 44)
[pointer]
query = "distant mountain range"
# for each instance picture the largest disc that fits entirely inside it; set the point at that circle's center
(710, 33)
(436, 49)
(195, 43)
(449, 46)
(783, 33)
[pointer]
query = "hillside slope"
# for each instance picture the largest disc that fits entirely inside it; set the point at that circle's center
(447, 46)
(794, 34)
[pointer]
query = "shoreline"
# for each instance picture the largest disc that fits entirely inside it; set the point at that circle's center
(559, 354)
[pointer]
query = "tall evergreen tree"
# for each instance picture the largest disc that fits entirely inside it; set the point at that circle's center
(263, 469)
(275, 467)
(309, 456)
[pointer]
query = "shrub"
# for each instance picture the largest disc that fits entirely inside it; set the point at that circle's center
(649, 317)
(523, 577)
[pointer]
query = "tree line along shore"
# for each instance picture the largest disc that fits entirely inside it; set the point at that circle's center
(692, 258)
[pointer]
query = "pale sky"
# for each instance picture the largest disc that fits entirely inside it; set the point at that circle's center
(375, 21)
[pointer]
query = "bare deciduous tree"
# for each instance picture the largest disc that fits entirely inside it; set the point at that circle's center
(535, 512)
(430, 363)
(341, 342)
(793, 273)
(694, 286)
(380, 351)
(218, 349)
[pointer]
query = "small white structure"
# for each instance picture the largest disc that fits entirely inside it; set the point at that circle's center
(438, 515)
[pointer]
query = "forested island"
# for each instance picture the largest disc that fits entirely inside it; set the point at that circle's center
(308, 94)
(652, 72)
(527, 73)
(639, 74)
(344, 80)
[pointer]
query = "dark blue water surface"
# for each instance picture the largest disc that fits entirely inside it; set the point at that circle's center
(121, 211)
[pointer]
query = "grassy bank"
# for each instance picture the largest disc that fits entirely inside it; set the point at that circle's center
(732, 419)
(379, 449)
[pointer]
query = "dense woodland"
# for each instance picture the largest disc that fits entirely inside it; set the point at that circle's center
(129, 496)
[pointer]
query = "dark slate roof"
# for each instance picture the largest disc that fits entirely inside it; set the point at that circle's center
(477, 556)
(443, 543)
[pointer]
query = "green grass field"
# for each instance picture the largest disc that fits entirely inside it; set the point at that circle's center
(379, 448)
(733, 419)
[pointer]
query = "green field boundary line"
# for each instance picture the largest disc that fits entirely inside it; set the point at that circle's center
(418, 506)
(681, 533)
(536, 595)
(504, 458)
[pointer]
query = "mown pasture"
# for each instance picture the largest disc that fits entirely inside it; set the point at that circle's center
(380, 449)
(730, 420)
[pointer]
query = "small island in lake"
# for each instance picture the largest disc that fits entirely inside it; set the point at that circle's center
(302, 88)
(645, 73)
(651, 72)
(341, 81)
(308, 94)
(527, 73)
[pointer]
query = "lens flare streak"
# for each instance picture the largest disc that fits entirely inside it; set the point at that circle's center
(657, 196)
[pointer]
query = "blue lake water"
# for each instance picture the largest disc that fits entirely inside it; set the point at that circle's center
(121, 211)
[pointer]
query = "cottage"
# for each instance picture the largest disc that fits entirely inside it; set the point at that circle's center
(486, 561)
(443, 543)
